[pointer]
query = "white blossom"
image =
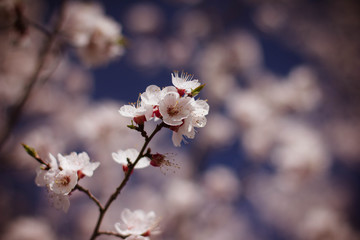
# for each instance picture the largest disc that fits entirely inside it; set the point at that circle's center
(184, 82)
(199, 109)
(130, 154)
(151, 96)
(79, 163)
(139, 112)
(95, 35)
(43, 176)
(174, 108)
(59, 201)
(136, 223)
(63, 182)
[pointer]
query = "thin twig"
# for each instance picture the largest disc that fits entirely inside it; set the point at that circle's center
(38, 26)
(123, 183)
(15, 114)
(92, 197)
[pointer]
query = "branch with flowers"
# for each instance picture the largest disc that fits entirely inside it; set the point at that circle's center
(174, 107)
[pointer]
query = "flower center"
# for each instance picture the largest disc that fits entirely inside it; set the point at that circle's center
(64, 181)
(172, 111)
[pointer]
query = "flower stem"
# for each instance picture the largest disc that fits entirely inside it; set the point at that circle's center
(92, 197)
(96, 231)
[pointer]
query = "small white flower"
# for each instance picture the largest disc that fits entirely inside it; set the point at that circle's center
(174, 108)
(130, 154)
(186, 129)
(44, 175)
(199, 109)
(184, 82)
(59, 201)
(139, 113)
(151, 96)
(63, 182)
(94, 35)
(136, 223)
(79, 163)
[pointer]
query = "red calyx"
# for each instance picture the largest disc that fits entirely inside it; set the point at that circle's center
(146, 234)
(176, 128)
(126, 169)
(181, 91)
(139, 120)
(156, 112)
(80, 174)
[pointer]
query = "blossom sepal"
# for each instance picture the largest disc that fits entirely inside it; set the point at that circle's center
(196, 91)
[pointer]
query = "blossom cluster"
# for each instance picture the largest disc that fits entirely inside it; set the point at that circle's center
(175, 105)
(97, 37)
(61, 175)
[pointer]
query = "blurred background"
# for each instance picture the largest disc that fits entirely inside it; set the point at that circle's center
(279, 156)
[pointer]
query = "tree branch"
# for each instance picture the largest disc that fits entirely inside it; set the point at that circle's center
(17, 109)
(123, 183)
(92, 197)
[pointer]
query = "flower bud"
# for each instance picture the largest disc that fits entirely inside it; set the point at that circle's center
(157, 159)
(162, 161)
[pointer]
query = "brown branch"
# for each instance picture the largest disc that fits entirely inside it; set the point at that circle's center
(17, 109)
(123, 183)
(38, 26)
(92, 197)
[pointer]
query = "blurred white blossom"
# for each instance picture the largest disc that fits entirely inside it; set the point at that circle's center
(136, 223)
(95, 36)
(124, 157)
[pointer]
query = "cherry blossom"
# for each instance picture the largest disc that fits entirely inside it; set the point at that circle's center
(63, 182)
(199, 109)
(59, 201)
(44, 175)
(152, 95)
(136, 223)
(79, 163)
(174, 108)
(184, 82)
(95, 36)
(130, 154)
(139, 112)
